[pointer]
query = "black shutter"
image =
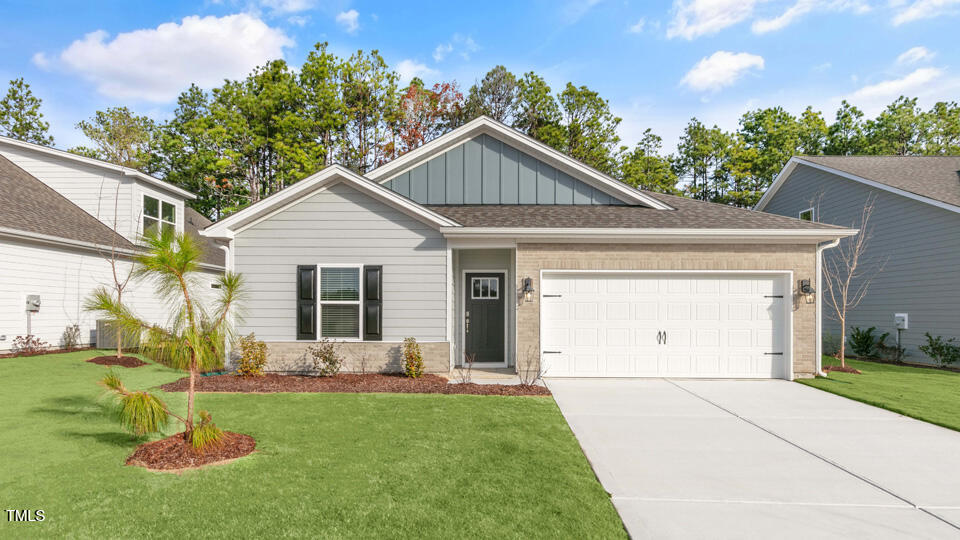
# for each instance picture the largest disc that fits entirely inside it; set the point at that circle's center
(307, 302)
(373, 303)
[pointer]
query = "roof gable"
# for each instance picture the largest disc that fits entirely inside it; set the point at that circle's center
(568, 173)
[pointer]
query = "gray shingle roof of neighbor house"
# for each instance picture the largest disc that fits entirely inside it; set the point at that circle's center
(934, 177)
(29, 205)
(688, 214)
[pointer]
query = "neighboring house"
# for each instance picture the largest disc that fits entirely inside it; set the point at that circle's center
(915, 234)
(490, 245)
(61, 215)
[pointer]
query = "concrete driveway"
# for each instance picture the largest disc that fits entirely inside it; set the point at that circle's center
(762, 459)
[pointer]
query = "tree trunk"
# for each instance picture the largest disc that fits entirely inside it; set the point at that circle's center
(119, 329)
(843, 342)
(190, 395)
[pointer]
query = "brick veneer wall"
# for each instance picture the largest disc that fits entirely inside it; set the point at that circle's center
(801, 259)
(292, 357)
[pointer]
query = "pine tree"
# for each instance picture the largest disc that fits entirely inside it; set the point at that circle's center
(20, 115)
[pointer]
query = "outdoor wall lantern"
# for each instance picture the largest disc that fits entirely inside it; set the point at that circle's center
(805, 287)
(527, 289)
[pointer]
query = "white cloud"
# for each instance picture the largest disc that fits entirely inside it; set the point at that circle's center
(893, 88)
(694, 18)
(442, 51)
(924, 9)
(288, 6)
(720, 69)
(298, 20)
(155, 64)
(916, 54)
(574, 10)
(348, 20)
(637, 27)
(801, 8)
(40, 60)
(463, 45)
(408, 69)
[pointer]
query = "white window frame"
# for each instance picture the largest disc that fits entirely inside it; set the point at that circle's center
(488, 279)
(358, 302)
(159, 218)
(813, 215)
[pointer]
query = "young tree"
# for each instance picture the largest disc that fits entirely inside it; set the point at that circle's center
(847, 275)
(195, 338)
(494, 96)
(644, 168)
(119, 136)
(20, 115)
(121, 277)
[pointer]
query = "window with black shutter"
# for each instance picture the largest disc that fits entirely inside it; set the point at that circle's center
(307, 302)
(373, 303)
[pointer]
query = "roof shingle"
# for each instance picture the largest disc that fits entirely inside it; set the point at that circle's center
(934, 177)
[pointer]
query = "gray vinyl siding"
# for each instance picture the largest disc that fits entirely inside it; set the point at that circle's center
(343, 226)
(484, 170)
(918, 244)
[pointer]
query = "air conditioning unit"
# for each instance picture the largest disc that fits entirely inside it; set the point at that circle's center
(107, 337)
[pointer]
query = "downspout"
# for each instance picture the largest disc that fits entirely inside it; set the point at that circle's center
(228, 266)
(819, 291)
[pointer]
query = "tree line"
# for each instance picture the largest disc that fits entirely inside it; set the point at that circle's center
(249, 138)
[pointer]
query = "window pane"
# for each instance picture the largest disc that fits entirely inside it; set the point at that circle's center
(476, 288)
(494, 284)
(485, 288)
(169, 212)
(168, 228)
(151, 207)
(340, 320)
(149, 226)
(340, 284)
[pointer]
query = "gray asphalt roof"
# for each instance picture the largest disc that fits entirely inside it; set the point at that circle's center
(934, 177)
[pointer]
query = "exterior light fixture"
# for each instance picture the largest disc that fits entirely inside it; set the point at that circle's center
(805, 287)
(527, 289)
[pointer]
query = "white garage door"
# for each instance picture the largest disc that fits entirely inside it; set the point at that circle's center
(664, 325)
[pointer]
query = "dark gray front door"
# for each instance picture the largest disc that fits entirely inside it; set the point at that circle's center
(483, 316)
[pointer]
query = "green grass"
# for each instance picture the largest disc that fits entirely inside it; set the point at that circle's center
(930, 395)
(327, 465)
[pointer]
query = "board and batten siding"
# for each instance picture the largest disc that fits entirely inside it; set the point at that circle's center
(917, 243)
(341, 225)
(484, 170)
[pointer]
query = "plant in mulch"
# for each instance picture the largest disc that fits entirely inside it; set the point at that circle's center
(530, 368)
(864, 342)
(465, 369)
(29, 345)
(253, 356)
(71, 337)
(327, 359)
(412, 358)
(194, 341)
(944, 351)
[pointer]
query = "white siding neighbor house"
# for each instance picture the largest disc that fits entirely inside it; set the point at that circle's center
(488, 246)
(61, 217)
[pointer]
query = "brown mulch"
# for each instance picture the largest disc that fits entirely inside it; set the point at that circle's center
(351, 383)
(41, 352)
(125, 361)
(842, 369)
(174, 453)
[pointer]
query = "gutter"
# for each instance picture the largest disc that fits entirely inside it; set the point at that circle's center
(818, 348)
(652, 235)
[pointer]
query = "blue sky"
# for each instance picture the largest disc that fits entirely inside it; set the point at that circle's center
(658, 63)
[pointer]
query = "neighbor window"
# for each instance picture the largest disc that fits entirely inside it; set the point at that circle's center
(340, 302)
(807, 215)
(158, 214)
(485, 288)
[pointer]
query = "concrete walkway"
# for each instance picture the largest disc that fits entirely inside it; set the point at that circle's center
(762, 459)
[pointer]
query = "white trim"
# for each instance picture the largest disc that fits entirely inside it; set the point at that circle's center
(358, 302)
(818, 346)
(327, 177)
(463, 311)
(124, 171)
(451, 311)
(488, 126)
(489, 280)
(650, 235)
(787, 276)
(794, 161)
(813, 215)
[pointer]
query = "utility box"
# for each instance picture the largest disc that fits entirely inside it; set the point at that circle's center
(901, 321)
(107, 337)
(33, 303)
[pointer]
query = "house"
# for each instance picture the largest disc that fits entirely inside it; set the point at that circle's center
(914, 234)
(485, 244)
(61, 217)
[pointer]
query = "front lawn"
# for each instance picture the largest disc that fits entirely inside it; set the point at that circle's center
(326, 465)
(931, 395)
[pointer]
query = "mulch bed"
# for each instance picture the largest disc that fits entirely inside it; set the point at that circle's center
(125, 361)
(842, 369)
(351, 383)
(40, 352)
(174, 453)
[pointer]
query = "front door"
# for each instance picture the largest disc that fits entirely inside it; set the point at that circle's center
(483, 317)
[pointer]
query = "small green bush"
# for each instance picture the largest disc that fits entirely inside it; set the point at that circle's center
(206, 434)
(412, 358)
(864, 342)
(253, 357)
(942, 350)
(327, 359)
(71, 337)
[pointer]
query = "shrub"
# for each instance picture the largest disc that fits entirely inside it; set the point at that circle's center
(892, 353)
(942, 350)
(412, 358)
(253, 356)
(71, 337)
(864, 342)
(831, 344)
(28, 345)
(327, 359)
